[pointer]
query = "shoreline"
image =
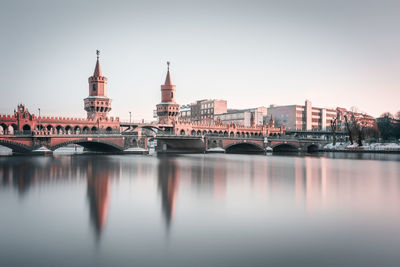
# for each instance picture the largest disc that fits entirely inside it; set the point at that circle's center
(361, 151)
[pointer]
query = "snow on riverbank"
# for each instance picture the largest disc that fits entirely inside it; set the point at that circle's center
(365, 147)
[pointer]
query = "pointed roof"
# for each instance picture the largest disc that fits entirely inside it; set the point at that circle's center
(168, 78)
(97, 69)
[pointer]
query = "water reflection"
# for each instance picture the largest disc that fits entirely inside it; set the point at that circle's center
(23, 173)
(168, 177)
(98, 192)
(237, 210)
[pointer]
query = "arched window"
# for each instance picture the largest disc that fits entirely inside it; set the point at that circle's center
(172, 94)
(94, 87)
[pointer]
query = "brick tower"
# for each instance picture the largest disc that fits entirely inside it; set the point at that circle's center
(167, 110)
(97, 104)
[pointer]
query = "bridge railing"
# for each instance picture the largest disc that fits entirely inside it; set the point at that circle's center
(211, 135)
(48, 133)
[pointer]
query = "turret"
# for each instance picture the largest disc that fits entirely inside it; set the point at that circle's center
(97, 104)
(167, 110)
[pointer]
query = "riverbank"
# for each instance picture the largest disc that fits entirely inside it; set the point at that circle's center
(366, 148)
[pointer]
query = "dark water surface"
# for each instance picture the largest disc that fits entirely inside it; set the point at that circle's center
(200, 210)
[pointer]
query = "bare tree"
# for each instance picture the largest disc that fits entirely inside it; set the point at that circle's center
(364, 126)
(333, 130)
(348, 128)
(397, 116)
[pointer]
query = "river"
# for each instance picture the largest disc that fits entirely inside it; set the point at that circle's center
(200, 210)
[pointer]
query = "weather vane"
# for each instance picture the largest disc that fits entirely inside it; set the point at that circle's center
(98, 53)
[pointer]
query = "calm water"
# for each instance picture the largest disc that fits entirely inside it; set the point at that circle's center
(200, 210)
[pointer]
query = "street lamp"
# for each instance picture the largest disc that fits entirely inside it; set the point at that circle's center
(39, 120)
(130, 117)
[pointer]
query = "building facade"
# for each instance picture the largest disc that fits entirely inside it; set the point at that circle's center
(244, 117)
(302, 117)
(309, 118)
(203, 110)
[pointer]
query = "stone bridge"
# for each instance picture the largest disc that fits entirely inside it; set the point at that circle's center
(26, 143)
(198, 144)
(296, 144)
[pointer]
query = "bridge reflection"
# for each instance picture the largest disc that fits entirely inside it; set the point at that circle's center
(312, 184)
(25, 173)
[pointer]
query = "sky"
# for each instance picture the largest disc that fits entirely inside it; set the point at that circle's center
(251, 53)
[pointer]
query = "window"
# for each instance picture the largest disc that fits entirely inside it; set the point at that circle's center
(94, 87)
(172, 94)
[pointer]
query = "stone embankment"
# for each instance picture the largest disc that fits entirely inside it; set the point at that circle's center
(368, 148)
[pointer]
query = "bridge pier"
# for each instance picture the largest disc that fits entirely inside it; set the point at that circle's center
(176, 144)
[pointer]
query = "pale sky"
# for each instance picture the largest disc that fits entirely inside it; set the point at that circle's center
(251, 53)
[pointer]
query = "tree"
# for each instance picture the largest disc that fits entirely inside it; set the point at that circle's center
(333, 130)
(387, 126)
(348, 128)
(360, 126)
(397, 116)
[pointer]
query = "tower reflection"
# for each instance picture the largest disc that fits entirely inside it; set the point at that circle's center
(168, 176)
(98, 192)
(100, 172)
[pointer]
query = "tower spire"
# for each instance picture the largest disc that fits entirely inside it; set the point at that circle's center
(97, 105)
(168, 109)
(168, 78)
(97, 69)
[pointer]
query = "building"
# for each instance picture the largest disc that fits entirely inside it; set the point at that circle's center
(168, 109)
(97, 104)
(307, 117)
(244, 117)
(203, 110)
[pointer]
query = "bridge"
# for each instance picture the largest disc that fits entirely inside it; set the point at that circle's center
(99, 142)
(24, 132)
(249, 145)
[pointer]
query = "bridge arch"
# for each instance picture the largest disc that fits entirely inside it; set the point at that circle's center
(231, 134)
(285, 147)
(93, 145)
(85, 129)
(94, 129)
(108, 129)
(77, 130)
(182, 132)
(3, 128)
(68, 129)
(15, 146)
(12, 128)
(60, 129)
(312, 148)
(26, 127)
(193, 132)
(153, 128)
(198, 132)
(50, 128)
(244, 148)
